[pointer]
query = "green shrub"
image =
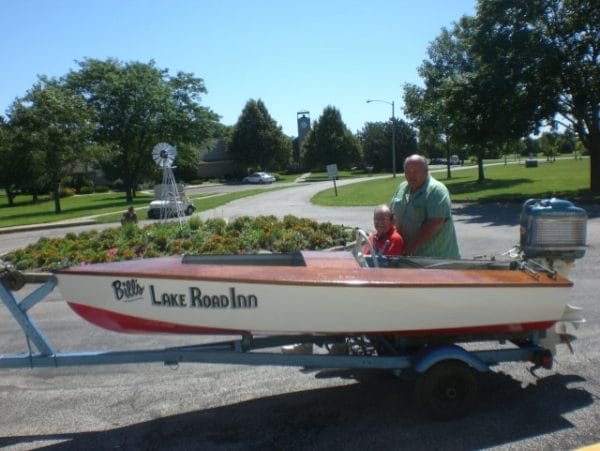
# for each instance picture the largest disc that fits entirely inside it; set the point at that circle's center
(86, 190)
(194, 223)
(215, 225)
(67, 192)
(214, 236)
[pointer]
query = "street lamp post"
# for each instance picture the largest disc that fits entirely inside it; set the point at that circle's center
(393, 133)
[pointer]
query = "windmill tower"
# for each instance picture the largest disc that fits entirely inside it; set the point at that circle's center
(164, 155)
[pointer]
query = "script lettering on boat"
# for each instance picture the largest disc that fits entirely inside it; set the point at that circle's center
(127, 290)
(231, 300)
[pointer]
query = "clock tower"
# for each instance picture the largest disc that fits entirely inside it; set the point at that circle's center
(303, 118)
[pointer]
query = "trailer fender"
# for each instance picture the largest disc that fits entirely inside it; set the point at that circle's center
(439, 354)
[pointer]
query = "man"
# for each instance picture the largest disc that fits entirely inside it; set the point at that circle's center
(129, 216)
(385, 240)
(423, 212)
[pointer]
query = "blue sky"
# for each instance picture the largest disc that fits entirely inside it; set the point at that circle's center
(295, 56)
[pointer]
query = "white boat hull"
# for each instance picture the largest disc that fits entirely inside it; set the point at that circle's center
(351, 305)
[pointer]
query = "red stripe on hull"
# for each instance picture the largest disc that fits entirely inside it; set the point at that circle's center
(130, 324)
(118, 322)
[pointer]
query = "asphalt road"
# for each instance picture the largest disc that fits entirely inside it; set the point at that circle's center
(199, 406)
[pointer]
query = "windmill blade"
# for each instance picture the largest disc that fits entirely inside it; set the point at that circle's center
(164, 154)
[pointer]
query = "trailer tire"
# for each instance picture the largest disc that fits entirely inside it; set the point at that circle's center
(13, 280)
(447, 390)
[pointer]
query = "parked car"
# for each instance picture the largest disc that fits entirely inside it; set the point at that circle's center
(259, 177)
(157, 205)
(454, 160)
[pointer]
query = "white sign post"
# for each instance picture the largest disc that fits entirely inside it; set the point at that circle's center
(332, 171)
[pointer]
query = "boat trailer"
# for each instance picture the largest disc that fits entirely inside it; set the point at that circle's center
(445, 387)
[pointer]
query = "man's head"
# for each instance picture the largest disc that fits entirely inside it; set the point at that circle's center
(415, 171)
(383, 219)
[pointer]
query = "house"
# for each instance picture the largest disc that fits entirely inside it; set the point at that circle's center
(215, 161)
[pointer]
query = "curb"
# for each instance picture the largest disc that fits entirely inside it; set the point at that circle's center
(53, 225)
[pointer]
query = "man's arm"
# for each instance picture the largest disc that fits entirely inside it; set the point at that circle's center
(427, 230)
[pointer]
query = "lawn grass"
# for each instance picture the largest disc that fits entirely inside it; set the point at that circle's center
(566, 178)
(321, 176)
(25, 212)
(105, 207)
(201, 202)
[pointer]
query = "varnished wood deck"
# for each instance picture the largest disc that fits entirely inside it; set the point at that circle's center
(322, 268)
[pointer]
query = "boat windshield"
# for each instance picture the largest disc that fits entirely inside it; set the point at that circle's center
(291, 259)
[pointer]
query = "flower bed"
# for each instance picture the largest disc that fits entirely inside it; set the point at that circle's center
(213, 236)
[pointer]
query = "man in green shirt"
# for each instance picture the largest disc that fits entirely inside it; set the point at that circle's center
(423, 213)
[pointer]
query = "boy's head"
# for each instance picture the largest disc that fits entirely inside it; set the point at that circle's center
(383, 219)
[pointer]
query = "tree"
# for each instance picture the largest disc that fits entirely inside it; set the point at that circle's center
(257, 141)
(7, 173)
(22, 174)
(329, 141)
(136, 106)
(546, 56)
(374, 143)
(51, 127)
(439, 108)
(377, 138)
(567, 143)
(430, 144)
(187, 162)
(517, 66)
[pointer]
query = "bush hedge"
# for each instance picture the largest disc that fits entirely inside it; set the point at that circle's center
(213, 236)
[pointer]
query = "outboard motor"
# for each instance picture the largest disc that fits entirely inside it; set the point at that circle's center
(553, 233)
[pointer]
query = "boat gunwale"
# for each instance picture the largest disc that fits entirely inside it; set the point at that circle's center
(326, 276)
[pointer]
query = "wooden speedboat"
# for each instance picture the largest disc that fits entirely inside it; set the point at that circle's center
(313, 293)
(341, 293)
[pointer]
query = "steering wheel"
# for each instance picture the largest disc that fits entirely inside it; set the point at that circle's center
(361, 240)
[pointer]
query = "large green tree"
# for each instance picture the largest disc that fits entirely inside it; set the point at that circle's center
(136, 106)
(436, 108)
(330, 141)
(377, 143)
(21, 172)
(545, 56)
(51, 127)
(517, 66)
(257, 142)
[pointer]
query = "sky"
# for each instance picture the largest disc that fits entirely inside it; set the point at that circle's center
(293, 55)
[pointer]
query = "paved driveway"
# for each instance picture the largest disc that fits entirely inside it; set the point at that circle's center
(236, 407)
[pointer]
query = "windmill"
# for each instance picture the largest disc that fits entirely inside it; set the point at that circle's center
(164, 155)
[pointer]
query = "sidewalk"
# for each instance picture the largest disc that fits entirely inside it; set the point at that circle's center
(49, 225)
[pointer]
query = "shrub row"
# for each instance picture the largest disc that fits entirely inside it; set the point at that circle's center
(213, 236)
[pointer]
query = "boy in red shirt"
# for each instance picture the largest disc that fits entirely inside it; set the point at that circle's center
(386, 240)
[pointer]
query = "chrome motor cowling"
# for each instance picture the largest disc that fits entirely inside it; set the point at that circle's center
(553, 229)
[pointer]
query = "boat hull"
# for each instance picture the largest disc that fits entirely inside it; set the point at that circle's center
(329, 295)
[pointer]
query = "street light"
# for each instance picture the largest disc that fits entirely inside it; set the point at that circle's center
(393, 133)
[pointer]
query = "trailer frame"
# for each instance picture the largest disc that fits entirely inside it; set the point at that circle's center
(430, 366)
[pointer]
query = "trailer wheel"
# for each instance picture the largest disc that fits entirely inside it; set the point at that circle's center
(447, 390)
(13, 280)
